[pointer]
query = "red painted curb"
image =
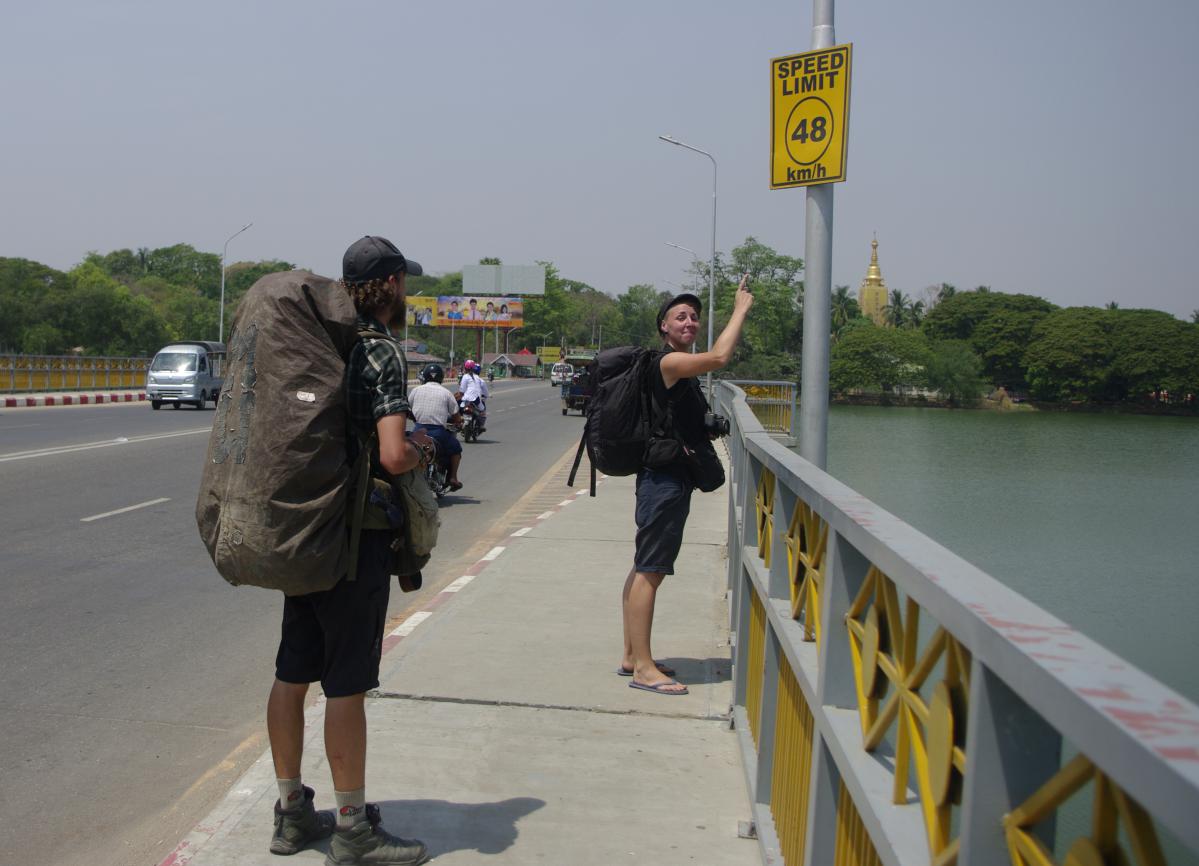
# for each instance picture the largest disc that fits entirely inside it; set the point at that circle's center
(72, 399)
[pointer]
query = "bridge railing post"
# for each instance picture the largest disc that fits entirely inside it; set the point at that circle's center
(1011, 751)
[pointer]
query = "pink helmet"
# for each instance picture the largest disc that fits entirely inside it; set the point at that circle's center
(470, 366)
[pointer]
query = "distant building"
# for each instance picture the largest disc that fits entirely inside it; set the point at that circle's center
(872, 294)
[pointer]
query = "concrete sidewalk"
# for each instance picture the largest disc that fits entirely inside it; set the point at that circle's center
(501, 732)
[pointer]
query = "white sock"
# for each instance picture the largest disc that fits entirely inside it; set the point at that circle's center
(351, 807)
(291, 794)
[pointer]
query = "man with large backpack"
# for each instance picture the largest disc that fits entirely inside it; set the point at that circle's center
(335, 635)
(672, 466)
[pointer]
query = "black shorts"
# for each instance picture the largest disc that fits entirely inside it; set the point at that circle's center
(663, 503)
(336, 636)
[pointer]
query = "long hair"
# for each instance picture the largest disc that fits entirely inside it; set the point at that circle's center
(372, 296)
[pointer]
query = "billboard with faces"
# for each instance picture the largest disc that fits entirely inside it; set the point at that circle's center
(479, 312)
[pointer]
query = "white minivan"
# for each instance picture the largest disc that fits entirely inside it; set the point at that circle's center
(188, 371)
(561, 372)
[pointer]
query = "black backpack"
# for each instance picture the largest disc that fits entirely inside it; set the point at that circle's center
(621, 417)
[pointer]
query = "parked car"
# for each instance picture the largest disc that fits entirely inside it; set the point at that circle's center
(188, 371)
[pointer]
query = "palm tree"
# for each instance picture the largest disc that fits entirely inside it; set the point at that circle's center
(1195, 316)
(1112, 305)
(947, 290)
(844, 309)
(896, 311)
(915, 314)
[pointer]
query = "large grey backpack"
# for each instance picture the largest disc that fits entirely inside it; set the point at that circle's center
(275, 490)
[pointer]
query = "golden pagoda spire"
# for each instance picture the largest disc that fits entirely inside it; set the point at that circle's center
(874, 274)
(872, 294)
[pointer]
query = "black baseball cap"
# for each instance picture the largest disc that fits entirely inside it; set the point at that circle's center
(685, 298)
(375, 258)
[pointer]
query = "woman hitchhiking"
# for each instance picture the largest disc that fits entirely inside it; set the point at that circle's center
(664, 492)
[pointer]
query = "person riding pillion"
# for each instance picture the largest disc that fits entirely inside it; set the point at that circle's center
(434, 409)
(472, 389)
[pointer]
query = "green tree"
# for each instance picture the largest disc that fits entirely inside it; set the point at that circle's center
(775, 327)
(1069, 355)
(239, 276)
(871, 358)
(28, 290)
(997, 326)
(637, 314)
(1151, 351)
(896, 312)
(843, 310)
(955, 371)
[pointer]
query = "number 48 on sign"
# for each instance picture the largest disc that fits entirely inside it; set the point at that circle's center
(809, 116)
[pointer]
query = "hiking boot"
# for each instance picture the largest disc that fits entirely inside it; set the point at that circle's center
(296, 828)
(367, 842)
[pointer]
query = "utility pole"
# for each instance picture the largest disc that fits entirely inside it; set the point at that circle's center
(818, 256)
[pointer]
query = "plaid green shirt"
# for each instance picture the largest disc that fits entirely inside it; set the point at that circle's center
(376, 381)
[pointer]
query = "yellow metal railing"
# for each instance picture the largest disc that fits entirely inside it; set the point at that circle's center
(35, 373)
(764, 508)
(854, 845)
(1112, 810)
(889, 672)
(791, 775)
(807, 542)
(756, 666)
(773, 404)
(917, 684)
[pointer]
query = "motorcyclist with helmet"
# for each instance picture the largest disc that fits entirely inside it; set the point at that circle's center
(472, 389)
(434, 410)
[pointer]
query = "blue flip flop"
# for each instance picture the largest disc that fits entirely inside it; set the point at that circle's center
(660, 688)
(622, 671)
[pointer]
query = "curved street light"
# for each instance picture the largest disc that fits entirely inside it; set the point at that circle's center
(221, 327)
(694, 259)
(711, 273)
(507, 334)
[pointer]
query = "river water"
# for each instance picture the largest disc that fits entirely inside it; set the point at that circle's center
(1093, 517)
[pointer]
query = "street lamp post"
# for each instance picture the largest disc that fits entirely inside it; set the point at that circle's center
(694, 259)
(221, 327)
(818, 255)
(507, 334)
(541, 353)
(712, 272)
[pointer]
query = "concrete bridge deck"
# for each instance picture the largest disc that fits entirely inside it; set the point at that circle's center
(501, 730)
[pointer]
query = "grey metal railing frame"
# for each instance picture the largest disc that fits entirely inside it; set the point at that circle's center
(1034, 681)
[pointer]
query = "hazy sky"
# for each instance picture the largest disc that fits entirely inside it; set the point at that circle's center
(1045, 147)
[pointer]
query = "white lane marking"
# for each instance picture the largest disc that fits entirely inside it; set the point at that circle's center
(66, 449)
(545, 515)
(459, 583)
(492, 554)
(521, 532)
(580, 492)
(409, 625)
(566, 502)
(126, 508)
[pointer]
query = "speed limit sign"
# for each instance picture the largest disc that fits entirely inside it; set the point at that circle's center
(809, 101)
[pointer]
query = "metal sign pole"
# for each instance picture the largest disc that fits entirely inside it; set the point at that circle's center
(818, 249)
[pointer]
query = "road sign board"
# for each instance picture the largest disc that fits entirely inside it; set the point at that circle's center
(809, 117)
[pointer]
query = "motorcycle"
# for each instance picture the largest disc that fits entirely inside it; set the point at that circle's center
(472, 423)
(437, 475)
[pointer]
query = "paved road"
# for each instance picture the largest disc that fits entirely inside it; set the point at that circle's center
(133, 677)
